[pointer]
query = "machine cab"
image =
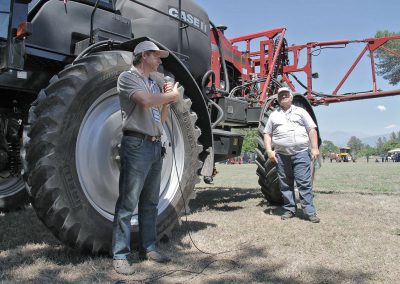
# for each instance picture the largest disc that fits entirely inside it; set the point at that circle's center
(13, 30)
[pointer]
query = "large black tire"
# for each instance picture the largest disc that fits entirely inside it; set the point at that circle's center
(72, 154)
(266, 170)
(13, 195)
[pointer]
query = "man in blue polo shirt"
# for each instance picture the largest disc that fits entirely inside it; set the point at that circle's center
(288, 135)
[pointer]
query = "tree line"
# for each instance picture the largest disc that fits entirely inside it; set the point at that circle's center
(359, 149)
(383, 145)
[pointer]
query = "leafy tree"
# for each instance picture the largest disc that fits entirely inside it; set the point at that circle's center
(389, 145)
(368, 151)
(393, 136)
(249, 144)
(355, 144)
(328, 146)
(379, 143)
(388, 64)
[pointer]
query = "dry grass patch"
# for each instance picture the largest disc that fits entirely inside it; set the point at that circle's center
(241, 238)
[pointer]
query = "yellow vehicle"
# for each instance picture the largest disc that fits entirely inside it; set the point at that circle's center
(345, 154)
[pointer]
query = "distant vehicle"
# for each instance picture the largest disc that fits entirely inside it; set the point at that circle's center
(345, 154)
(394, 154)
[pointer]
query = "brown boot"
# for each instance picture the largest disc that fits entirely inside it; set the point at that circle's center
(154, 256)
(287, 215)
(122, 266)
(313, 218)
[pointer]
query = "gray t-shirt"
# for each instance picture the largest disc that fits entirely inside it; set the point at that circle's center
(290, 130)
(135, 117)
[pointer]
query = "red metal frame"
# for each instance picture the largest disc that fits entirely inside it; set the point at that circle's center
(371, 45)
(246, 62)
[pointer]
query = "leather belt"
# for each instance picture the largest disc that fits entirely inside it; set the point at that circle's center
(141, 135)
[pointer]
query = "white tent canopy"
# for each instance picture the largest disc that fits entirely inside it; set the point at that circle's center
(394, 151)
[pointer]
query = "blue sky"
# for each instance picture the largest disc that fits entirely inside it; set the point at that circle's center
(324, 20)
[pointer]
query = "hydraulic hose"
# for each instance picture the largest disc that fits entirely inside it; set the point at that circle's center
(221, 53)
(93, 46)
(203, 89)
(220, 111)
(91, 39)
(204, 80)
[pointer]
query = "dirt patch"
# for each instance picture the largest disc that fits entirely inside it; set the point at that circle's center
(234, 237)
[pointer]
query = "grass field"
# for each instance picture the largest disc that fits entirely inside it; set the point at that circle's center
(241, 237)
(359, 177)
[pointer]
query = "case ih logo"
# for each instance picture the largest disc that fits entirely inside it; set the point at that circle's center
(188, 18)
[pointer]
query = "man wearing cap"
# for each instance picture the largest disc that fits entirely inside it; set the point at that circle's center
(144, 108)
(288, 135)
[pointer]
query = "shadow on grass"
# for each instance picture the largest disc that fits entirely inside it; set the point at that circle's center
(22, 227)
(249, 263)
(26, 246)
(222, 199)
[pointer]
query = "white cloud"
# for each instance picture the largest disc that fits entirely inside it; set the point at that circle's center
(381, 108)
(391, 126)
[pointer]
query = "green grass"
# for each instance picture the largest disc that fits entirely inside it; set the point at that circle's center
(359, 177)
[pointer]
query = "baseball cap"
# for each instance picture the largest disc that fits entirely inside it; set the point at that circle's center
(284, 89)
(149, 46)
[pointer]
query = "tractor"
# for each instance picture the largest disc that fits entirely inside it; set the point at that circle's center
(345, 155)
(60, 120)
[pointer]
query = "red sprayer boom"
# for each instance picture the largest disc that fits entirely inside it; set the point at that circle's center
(270, 64)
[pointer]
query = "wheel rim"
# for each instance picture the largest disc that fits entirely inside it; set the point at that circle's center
(9, 186)
(97, 156)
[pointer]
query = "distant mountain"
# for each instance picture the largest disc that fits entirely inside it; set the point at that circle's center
(340, 138)
(371, 140)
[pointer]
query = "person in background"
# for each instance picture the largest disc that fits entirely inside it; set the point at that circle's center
(144, 108)
(288, 135)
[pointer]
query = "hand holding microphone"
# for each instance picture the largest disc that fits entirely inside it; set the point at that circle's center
(168, 84)
(171, 88)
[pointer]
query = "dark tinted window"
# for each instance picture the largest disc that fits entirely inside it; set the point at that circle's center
(5, 6)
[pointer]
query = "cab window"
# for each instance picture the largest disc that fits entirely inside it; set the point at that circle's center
(5, 8)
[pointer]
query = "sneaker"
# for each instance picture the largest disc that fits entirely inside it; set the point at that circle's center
(287, 215)
(154, 256)
(313, 219)
(122, 266)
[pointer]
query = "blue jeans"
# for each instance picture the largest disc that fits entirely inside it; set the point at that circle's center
(139, 185)
(296, 168)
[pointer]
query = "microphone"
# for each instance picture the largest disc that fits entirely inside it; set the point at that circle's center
(168, 79)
